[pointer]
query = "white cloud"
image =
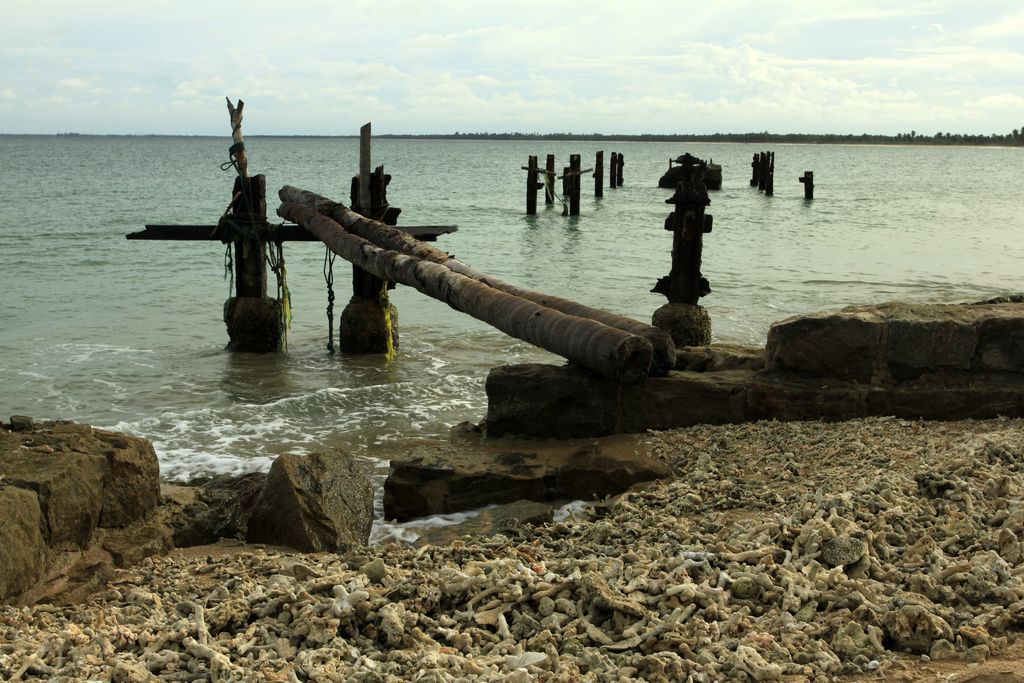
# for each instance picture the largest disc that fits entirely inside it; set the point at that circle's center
(442, 65)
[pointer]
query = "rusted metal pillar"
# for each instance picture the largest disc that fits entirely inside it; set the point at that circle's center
(682, 317)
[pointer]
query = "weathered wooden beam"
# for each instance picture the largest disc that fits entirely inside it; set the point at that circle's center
(532, 186)
(391, 238)
(549, 179)
(808, 181)
(599, 174)
(607, 351)
(283, 233)
(574, 184)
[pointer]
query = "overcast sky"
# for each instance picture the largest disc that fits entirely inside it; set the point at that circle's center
(441, 66)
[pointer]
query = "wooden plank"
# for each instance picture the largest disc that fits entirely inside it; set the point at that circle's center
(285, 233)
(364, 167)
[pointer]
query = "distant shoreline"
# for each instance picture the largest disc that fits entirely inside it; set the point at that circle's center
(1015, 139)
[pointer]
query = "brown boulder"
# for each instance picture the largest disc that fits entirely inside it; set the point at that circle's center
(69, 486)
(323, 501)
(219, 508)
(842, 345)
(131, 491)
(22, 548)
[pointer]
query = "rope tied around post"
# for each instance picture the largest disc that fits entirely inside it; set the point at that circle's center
(329, 279)
(275, 259)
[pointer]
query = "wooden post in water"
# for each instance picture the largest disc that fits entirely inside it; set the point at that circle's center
(566, 189)
(618, 171)
(755, 166)
(599, 174)
(574, 184)
(369, 323)
(769, 186)
(808, 181)
(532, 186)
(613, 169)
(549, 180)
(762, 171)
(253, 320)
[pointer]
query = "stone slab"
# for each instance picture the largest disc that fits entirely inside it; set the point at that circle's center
(684, 399)
(445, 478)
(550, 401)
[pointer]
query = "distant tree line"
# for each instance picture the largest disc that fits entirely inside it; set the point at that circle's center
(1015, 137)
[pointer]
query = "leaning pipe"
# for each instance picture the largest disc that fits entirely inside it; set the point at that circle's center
(387, 237)
(610, 352)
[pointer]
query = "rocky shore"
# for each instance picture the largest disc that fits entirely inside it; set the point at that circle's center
(874, 549)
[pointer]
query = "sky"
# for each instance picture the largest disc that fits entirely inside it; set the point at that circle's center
(308, 67)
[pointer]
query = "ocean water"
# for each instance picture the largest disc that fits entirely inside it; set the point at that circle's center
(129, 335)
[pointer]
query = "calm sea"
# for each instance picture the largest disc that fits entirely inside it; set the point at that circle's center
(129, 335)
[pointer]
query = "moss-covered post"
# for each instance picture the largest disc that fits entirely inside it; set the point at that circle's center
(686, 321)
(253, 319)
(369, 323)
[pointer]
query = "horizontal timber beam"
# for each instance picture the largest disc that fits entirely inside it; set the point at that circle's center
(284, 233)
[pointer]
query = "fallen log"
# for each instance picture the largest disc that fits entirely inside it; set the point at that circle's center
(386, 237)
(610, 352)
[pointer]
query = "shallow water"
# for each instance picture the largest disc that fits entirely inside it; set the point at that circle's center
(129, 335)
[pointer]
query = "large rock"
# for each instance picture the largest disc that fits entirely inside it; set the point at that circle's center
(219, 508)
(558, 402)
(131, 491)
(840, 345)
(443, 479)
(1000, 342)
(22, 547)
(319, 502)
(69, 486)
(897, 342)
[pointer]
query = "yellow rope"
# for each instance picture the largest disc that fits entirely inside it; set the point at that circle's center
(385, 304)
